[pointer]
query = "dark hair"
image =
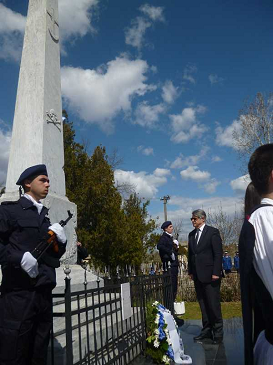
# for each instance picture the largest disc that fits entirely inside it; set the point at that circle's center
(260, 166)
(252, 199)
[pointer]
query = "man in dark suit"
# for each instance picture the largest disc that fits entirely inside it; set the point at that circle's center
(168, 251)
(204, 267)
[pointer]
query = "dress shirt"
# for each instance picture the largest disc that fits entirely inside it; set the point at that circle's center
(200, 232)
(262, 221)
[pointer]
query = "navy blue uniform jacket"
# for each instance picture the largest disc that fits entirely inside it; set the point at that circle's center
(205, 259)
(165, 248)
(21, 229)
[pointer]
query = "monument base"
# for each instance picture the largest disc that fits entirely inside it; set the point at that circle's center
(58, 207)
(78, 277)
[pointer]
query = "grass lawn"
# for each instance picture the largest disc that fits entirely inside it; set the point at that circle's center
(229, 310)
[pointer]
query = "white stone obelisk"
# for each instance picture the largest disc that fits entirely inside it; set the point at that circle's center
(37, 135)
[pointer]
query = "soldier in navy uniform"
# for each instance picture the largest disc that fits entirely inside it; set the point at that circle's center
(168, 251)
(26, 288)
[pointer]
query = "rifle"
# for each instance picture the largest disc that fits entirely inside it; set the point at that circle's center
(49, 240)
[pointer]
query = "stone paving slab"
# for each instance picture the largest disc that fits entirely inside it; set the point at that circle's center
(231, 352)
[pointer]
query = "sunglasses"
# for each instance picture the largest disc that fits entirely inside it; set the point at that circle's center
(195, 219)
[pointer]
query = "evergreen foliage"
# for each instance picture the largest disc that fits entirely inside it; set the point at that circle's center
(114, 234)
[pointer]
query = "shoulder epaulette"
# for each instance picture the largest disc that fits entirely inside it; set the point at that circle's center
(9, 202)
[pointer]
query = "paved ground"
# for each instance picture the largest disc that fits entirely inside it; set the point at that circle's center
(228, 353)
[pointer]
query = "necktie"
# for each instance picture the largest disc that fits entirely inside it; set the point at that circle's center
(197, 235)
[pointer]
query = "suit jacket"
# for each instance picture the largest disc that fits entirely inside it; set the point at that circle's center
(205, 258)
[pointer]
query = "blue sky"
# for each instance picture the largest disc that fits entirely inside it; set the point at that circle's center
(161, 81)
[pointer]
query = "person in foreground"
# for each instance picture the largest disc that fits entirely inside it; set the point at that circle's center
(256, 263)
(204, 267)
(26, 288)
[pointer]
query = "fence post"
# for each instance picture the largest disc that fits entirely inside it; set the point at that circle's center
(68, 319)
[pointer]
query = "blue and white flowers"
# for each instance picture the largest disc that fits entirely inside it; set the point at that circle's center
(159, 343)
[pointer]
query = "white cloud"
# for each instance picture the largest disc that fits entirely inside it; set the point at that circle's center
(224, 136)
(215, 79)
(148, 115)
(153, 68)
(75, 17)
(239, 185)
(169, 92)
(146, 151)
(99, 95)
(146, 185)
(216, 159)
(134, 36)
(12, 26)
(185, 126)
(189, 71)
(193, 173)
(211, 186)
(202, 178)
(10, 21)
(161, 172)
(153, 12)
(5, 138)
(183, 161)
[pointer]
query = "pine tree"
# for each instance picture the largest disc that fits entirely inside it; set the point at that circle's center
(114, 235)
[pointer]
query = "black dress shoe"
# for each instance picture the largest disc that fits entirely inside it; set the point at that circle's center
(179, 321)
(203, 336)
(217, 340)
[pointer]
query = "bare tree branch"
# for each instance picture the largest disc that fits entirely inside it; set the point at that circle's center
(256, 125)
(114, 159)
(228, 226)
(125, 189)
(177, 227)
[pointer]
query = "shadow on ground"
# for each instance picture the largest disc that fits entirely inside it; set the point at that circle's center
(230, 352)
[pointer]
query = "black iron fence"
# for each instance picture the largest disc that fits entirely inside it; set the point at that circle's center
(88, 324)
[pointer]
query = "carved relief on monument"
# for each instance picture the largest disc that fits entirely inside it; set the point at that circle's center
(53, 25)
(51, 117)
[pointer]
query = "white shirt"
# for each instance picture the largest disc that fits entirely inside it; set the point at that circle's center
(200, 232)
(38, 205)
(262, 221)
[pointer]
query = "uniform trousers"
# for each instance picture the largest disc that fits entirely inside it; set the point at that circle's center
(208, 296)
(25, 324)
(174, 275)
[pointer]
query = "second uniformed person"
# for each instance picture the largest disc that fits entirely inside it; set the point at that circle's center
(168, 251)
(26, 289)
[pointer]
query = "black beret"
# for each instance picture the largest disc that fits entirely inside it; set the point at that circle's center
(166, 224)
(32, 171)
